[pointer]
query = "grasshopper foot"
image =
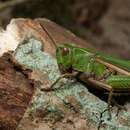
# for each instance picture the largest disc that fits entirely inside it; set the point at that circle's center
(119, 107)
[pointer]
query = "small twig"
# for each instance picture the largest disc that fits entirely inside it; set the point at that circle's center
(4, 5)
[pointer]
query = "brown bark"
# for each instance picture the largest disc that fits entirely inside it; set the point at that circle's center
(24, 28)
(15, 94)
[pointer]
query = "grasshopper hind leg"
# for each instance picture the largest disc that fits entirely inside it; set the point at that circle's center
(107, 109)
(109, 102)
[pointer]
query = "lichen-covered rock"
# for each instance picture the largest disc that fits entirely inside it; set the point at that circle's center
(71, 106)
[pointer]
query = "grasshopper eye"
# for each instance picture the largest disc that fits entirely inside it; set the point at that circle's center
(65, 51)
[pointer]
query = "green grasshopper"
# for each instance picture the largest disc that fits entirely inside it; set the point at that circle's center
(105, 72)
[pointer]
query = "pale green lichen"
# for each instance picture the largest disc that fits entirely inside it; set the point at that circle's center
(30, 55)
(33, 57)
(39, 102)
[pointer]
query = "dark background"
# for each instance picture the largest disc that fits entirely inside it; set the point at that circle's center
(103, 23)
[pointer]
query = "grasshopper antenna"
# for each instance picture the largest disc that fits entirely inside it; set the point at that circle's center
(49, 35)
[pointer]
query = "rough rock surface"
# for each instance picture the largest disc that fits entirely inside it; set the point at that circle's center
(70, 107)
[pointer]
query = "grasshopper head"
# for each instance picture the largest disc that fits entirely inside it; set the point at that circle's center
(64, 56)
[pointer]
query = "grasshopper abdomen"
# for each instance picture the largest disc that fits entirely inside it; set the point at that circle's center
(119, 81)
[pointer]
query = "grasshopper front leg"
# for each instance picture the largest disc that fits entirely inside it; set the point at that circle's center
(66, 75)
